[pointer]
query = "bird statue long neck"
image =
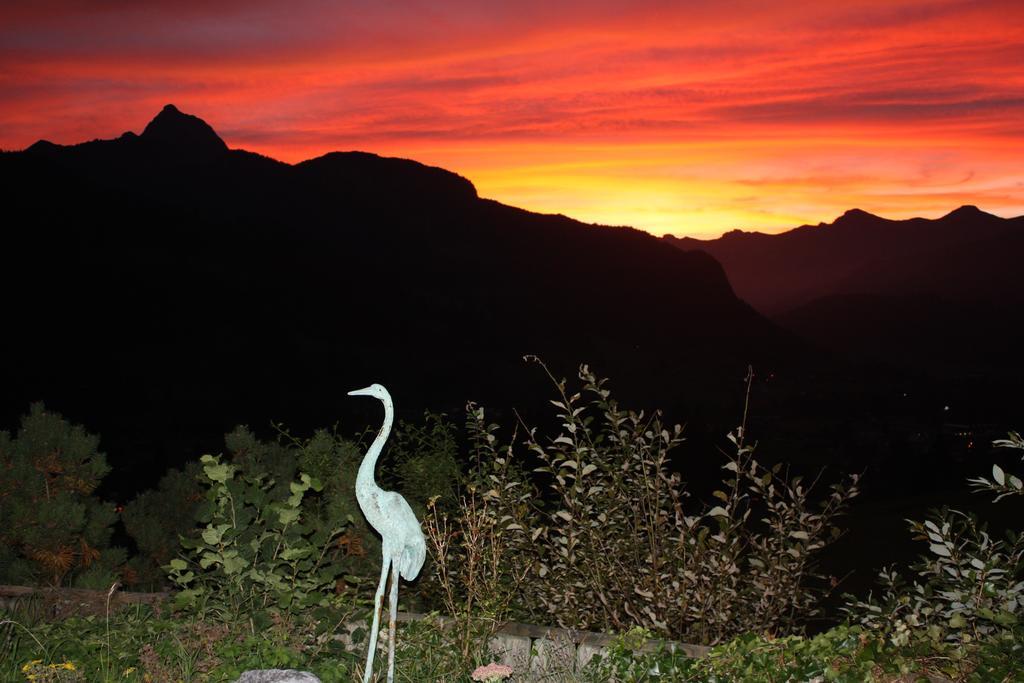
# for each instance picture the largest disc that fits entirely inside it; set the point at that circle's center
(364, 479)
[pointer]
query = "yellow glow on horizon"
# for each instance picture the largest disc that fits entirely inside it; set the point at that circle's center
(705, 189)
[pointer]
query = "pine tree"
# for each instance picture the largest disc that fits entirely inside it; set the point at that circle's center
(52, 529)
(157, 519)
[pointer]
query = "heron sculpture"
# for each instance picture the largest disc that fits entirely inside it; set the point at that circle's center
(402, 538)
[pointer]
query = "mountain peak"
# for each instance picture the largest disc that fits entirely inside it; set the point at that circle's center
(187, 133)
(855, 215)
(967, 211)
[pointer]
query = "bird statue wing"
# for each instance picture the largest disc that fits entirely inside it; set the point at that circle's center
(407, 541)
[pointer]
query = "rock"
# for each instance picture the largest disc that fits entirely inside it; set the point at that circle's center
(277, 676)
(555, 656)
(511, 650)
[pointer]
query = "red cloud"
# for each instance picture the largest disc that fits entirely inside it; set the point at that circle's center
(659, 114)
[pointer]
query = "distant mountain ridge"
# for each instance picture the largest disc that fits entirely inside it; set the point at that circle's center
(167, 286)
(925, 293)
(962, 255)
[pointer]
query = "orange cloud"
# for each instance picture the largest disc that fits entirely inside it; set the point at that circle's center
(689, 118)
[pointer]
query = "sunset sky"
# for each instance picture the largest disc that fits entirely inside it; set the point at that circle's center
(675, 117)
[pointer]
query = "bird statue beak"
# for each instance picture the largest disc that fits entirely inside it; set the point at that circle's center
(365, 391)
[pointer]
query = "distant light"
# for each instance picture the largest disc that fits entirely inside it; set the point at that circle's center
(945, 408)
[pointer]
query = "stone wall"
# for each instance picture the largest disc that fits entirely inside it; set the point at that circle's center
(539, 653)
(59, 603)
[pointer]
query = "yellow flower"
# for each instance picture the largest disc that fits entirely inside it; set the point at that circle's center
(31, 664)
(69, 666)
(129, 670)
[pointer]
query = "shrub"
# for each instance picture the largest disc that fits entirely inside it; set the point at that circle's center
(156, 519)
(256, 551)
(54, 530)
(1002, 484)
(471, 560)
(331, 460)
(843, 654)
(426, 462)
(968, 587)
(601, 527)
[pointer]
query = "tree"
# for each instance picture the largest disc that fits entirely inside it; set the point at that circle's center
(52, 529)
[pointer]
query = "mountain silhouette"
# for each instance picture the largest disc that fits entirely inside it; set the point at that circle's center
(941, 295)
(184, 133)
(966, 255)
(165, 287)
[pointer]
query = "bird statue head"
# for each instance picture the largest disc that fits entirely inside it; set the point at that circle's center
(375, 390)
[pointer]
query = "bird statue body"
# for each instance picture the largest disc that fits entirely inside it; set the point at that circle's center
(404, 547)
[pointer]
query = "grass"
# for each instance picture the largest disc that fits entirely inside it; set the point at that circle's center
(143, 644)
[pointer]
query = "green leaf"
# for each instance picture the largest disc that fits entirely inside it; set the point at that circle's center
(1005, 619)
(178, 564)
(219, 472)
(187, 598)
(233, 565)
(296, 553)
(998, 475)
(213, 535)
(288, 515)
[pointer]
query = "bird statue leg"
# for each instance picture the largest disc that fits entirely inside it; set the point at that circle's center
(392, 615)
(377, 603)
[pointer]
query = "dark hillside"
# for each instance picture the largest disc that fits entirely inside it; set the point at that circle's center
(162, 288)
